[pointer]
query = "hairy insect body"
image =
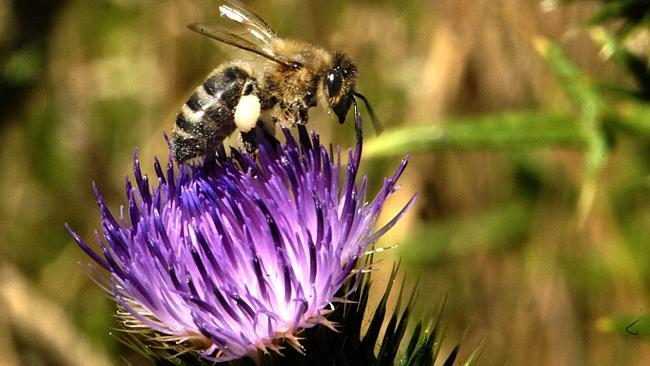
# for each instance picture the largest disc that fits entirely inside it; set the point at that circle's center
(225, 102)
(208, 116)
(298, 85)
(293, 77)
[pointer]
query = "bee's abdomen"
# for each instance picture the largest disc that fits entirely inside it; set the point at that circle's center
(207, 117)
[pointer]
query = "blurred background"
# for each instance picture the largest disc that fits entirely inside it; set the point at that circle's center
(527, 124)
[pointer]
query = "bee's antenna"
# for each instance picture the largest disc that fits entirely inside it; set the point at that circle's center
(373, 117)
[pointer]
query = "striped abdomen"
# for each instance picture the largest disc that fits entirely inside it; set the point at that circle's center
(207, 118)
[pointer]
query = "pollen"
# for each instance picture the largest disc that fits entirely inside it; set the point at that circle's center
(247, 112)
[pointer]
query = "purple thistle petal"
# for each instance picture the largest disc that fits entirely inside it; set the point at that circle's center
(96, 257)
(229, 257)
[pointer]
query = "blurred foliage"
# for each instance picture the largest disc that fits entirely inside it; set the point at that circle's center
(625, 325)
(509, 131)
(632, 15)
(528, 125)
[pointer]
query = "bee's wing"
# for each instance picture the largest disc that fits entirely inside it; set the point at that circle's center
(224, 35)
(239, 12)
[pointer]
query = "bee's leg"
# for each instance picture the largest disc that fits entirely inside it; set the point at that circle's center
(248, 142)
(294, 113)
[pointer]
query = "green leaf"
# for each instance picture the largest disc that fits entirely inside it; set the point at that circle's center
(584, 94)
(581, 90)
(508, 131)
(632, 118)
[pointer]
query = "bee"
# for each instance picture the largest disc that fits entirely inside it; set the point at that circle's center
(289, 78)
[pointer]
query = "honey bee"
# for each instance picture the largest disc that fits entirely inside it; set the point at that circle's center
(292, 77)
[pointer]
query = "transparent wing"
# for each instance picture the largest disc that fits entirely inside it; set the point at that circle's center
(224, 35)
(239, 12)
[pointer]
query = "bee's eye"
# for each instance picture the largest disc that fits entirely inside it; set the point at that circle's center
(333, 82)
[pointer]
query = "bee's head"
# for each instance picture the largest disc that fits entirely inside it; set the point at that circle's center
(339, 84)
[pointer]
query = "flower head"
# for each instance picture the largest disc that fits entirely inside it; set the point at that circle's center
(232, 256)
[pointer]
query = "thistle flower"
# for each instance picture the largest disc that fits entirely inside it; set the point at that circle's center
(238, 255)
